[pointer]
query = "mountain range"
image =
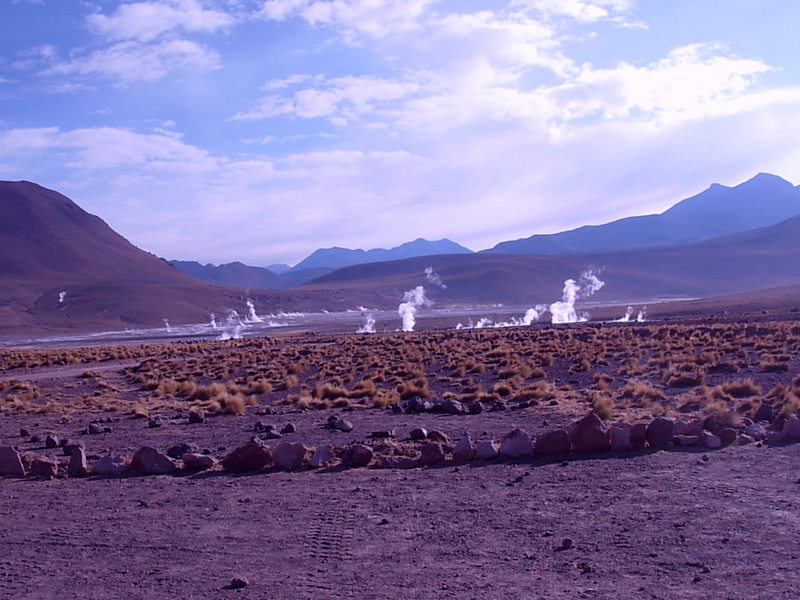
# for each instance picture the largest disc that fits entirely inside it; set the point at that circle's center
(62, 268)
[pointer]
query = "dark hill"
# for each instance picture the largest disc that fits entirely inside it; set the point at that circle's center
(745, 262)
(720, 210)
(49, 245)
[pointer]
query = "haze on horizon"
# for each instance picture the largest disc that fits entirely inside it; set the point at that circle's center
(254, 130)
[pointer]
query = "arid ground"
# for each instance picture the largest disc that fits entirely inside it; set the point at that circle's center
(667, 522)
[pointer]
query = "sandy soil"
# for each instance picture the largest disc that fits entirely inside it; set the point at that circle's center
(643, 525)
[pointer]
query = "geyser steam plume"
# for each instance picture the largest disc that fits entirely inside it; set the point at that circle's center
(252, 317)
(369, 324)
(433, 277)
(564, 310)
(627, 316)
(412, 300)
(61, 296)
(166, 326)
(213, 321)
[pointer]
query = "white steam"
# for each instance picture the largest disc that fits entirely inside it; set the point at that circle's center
(213, 321)
(368, 326)
(232, 328)
(531, 315)
(61, 296)
(564, 311)
(167, 327)
(642, 316)
(433, 278)
(252, 317)
(627, 316)
(407, 310)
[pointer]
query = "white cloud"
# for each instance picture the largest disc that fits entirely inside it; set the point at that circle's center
(130, 61)
(146, 21)
(343, 98)
(372, 18)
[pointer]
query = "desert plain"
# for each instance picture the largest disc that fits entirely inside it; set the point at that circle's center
(711, 511)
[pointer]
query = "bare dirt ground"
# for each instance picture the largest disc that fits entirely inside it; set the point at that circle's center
(671, 523)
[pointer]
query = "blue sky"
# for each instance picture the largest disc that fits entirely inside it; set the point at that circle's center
(255, 130)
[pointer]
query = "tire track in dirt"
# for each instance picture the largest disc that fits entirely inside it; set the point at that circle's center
(328, 544)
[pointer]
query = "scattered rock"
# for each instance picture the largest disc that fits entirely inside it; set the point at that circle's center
(727, 435)
(253, 456)
(44, 466)
(431, 453)
(149, 461)
(566, 544)
(24, 433)
(619, 436)
(155, 422)
(418, 433)
(197, 416)
(660, 432)
(77, 466)
(290, 455)
(485, 449)
(638, 435)
(757, 431)
(383, 434)
(178, 450)
(464, 450)
(686, 440)
(11, 462)
(589, 434)
(198, 462)
(51, 441)
(709, 440)
(452, 407)
(744, 439)
(516, 443)
(396, 462)
(475, 408)
(791, 428)
(323, 457)
(71, 447)
(289, 428)
(552, 443)
(357, 456)
(438, 436)
(238, 583)
(110, 466)
(94, 429)
(341, 424)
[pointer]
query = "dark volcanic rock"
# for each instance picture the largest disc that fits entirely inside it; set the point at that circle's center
(149, 461)
(660, 432)
(253, 456)
(11, 462)
(356, 456)
(553, 442)
(589, 434)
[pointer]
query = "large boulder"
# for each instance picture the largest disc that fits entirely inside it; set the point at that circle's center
(619, 436)
(11, 462)
(110, 466)
(323, 457)
(464, 450)
(149, 461)
(290, 455)
(709, 440)
(638, 435)
(431, 453)
(253, 456)
(485, 449)
(77, 466)
(791, 428)
(589, 434)
(195, 461)
(515, 444)
(660, 432)
(43, 466)
(552, 443)
(357, 456)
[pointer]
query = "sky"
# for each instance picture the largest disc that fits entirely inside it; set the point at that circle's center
(261, 130)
